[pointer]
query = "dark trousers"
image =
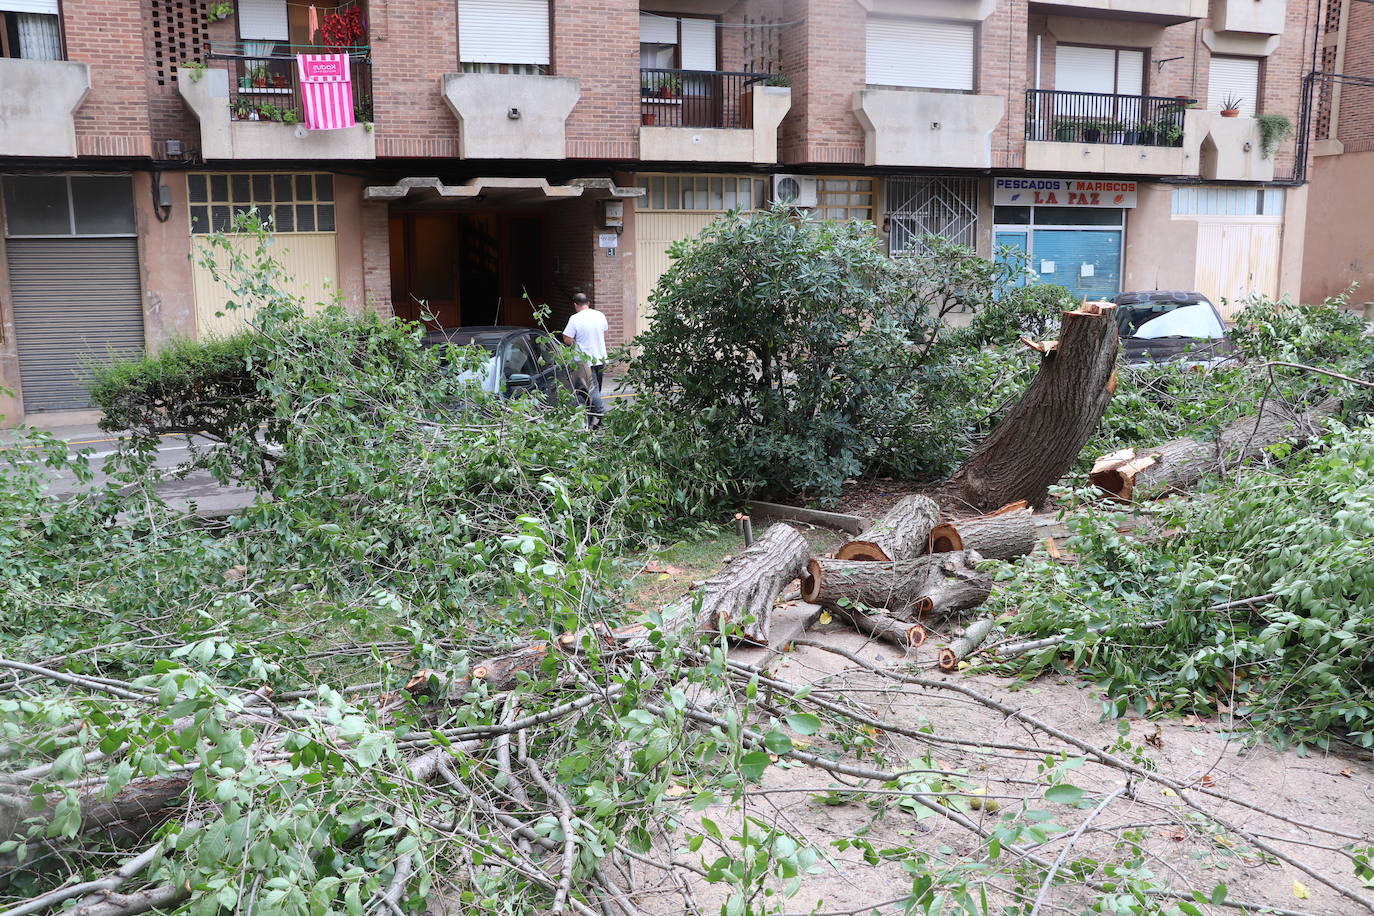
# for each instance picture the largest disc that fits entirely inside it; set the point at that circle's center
(599, 370)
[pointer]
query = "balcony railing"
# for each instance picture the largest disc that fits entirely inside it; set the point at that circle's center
(265, 86)
(1099, 117)
(698, 98)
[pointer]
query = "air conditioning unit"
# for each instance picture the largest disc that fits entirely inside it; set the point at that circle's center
(795, 190)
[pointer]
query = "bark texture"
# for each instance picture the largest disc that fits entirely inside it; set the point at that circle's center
(750, 582)
(1181, 463)
(901, 534)
(934, 584)
(900, 633)
(973, 637)
(1038, 441)
(1000, 536)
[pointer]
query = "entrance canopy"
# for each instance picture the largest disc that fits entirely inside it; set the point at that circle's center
(501, 192)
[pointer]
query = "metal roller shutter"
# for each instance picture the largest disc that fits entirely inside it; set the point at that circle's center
(263, 19)
(920, 53)
(698, 44)
(75, 301)
(1233, 76)
(652, 29)
(42, 7)
(503, 31)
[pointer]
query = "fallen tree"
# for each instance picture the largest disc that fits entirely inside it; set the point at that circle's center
(1005, 534)
(900, 534)
(1038, 441)
(929, 585)
(1179, 464)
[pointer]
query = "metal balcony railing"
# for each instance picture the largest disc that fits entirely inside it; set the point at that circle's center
(698, 98)
(1099, 117)
(264, 85)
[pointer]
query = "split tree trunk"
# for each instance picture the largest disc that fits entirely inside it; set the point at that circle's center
(934, 584)
(900, 534)
(1038, 441)
(900, 633)
(1181, 463)
(1004, 535)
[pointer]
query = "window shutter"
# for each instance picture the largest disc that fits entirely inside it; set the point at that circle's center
(263, 19)
(1237, 76)
(1079, 69)
(503, 31)
(914, 52)
(43, 7)
(1130, 72)
(698, 44)
(658, 30)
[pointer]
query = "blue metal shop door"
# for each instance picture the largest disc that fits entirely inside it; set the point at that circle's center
(1085, 261)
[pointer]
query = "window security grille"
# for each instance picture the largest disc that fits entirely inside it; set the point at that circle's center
(919, 207)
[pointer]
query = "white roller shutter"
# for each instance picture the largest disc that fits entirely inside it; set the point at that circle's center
(1078, 69)
(1130, 72)
(263, 20)
(920, 53)
(1233, 76)
(658, 30)
(42, 7)
(503, 31)
(698, 44)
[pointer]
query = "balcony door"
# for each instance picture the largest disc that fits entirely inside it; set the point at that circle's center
(674, 42)
(1108, 72)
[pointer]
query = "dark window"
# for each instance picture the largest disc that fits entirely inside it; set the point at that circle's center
(1077, 216)
(34, 36)
(103, 205)
(197, 189)
(1011, 216)
(37, 206)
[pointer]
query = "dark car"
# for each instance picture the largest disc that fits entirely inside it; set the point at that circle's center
(523, 360)
(1167, 325)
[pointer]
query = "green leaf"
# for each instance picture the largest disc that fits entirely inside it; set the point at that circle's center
(804, 723)
(752, 765)
(1064, 794)
(777, 742)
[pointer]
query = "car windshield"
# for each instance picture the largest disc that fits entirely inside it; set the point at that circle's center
(1155, 320)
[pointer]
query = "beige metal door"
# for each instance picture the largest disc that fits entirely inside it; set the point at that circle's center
(310, 260)
(1237, 258)
(654, 232)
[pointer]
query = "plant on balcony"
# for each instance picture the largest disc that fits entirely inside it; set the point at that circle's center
(647, 88)
(242, 110)
(778, 79)
(1092, 131)
(1230, 106)
(218, 11)
(1274, 129)
(259, 74)
(279, 80)
(1172, 133)
(1065, 130)
(362, 109)
(290, 116)
(343, 29)
(194, 69)
(670, 87)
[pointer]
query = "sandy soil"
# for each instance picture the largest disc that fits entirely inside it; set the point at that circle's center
(1179, 846)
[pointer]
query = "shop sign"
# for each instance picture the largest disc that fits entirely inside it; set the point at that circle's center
(1062, 192)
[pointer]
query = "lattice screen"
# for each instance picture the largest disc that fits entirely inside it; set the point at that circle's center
(918, 207)
(1324, 94)
(1333, 15)
(178, 34)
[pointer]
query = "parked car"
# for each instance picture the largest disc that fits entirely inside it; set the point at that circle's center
(523, 361)
(1167, 325)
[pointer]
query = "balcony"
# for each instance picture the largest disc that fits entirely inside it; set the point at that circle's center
(511, 115)
(1228, 149)
(250, 107)
(918, 127)
(1262, 17)
(38, 99)
(1100, 132)
(1160, 12)
(710, 116)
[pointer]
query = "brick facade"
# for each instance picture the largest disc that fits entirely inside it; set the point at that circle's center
(108, 35)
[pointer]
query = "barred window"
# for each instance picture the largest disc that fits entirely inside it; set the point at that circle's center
(844, 199)
(702, 192)
(285, 202)
(918, 207)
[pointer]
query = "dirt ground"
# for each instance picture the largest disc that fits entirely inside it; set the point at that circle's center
(1180, 847)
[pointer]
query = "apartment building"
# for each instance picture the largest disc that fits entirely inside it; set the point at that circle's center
(503, 154)
(1339, 254)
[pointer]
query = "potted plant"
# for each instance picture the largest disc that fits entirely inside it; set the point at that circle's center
(646, 89)
(670, 87)
(279, 80)
(217, 11)
(1274, 129)
(241, 110)
(1065, 130)
(245, 82)
(1230, 107)
(648, 118)
(1149, 133)
(1092, 131)
(778, 79)
(1172, 134)
(259, 75)
(290, 116)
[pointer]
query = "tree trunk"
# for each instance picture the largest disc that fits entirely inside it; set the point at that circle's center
(900, 633)
(934, 584)
(1000, 536)
(1038, 441)
(1179, 464)
(900, 534)
(973, 637)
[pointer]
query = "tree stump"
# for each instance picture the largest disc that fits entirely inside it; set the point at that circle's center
(900, 534)
(1038, 441)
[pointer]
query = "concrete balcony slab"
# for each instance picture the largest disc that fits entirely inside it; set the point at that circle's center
(1162, 12)
(757, 144)
(1109, 159)
(509, 115)
(38, 99)
(918, 127)
(222, 137)
(1227, 149)
(1264, 17)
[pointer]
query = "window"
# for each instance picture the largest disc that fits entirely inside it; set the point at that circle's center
(1104, 70)
(263, 20)
(1234, 78)
(920, 53)
(30, 29)
(1228, 202)
(68, 205)
(676, 42)
(844, 199)
(920, 207)
(293, 203)
(503, 36)
(702, 192)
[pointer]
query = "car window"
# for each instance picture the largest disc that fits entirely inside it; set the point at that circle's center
(1196, 320)
(516, 357)
(543, 350)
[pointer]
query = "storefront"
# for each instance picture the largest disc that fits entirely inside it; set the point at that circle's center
(1071, 229)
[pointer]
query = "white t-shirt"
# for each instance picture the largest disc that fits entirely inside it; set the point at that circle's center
(587, 328)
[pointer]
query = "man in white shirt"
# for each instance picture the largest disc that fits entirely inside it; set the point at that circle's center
(586, 330)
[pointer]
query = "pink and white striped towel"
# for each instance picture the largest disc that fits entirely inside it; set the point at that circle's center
(326, 91)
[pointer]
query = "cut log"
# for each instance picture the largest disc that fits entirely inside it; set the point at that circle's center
(901, 534)
(1005, 534)
(900, 633)
(1038, 441)
(934, 584)
(850, 523)
(1181, 463)
(973, 637)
